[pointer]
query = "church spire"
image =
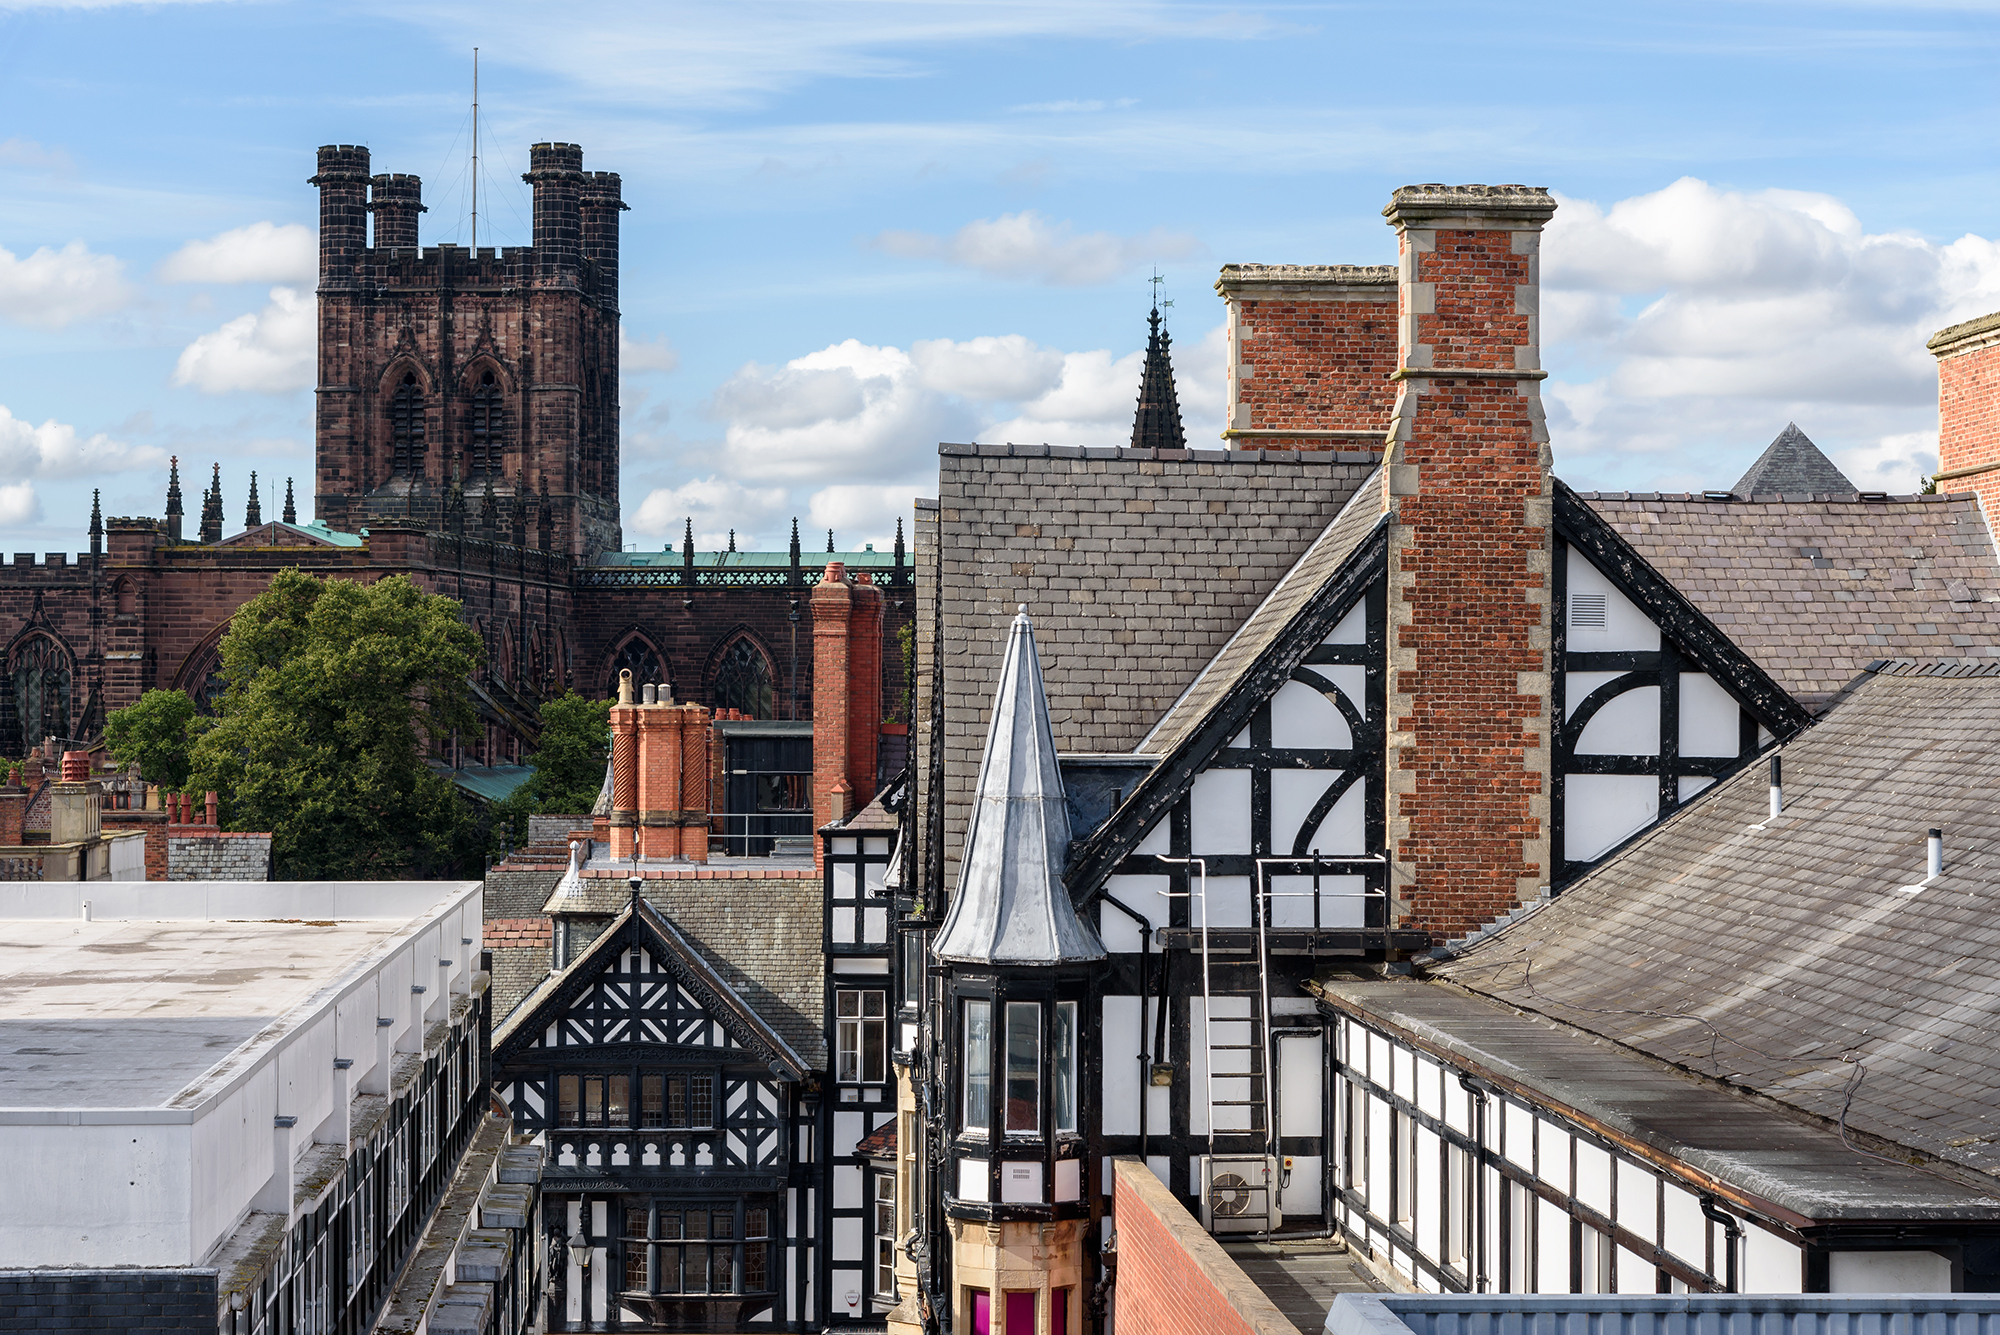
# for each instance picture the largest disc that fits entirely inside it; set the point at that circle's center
(253, 513)
(211, 510)
(291, 515)
(1157, 424)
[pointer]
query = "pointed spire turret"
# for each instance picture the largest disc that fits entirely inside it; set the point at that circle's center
(1157, 423)
(211, 510)
(291, 514)
(732, 539)
(687, 542)
(174, 499)
(253, 513)
(829, 539)
(1012, 906)
(795, 539)
(96, 525)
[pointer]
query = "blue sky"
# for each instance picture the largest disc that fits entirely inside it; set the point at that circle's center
(860, 228)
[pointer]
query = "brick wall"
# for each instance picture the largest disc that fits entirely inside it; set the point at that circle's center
(1969, 410)
(513, 933)
(1468, 742)
(224, 855)
(1173, 1278)
(154, 824)
(847, 662)
(1311, 350)
(130, 1302)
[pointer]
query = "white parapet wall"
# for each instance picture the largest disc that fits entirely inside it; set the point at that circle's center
(156, 1049)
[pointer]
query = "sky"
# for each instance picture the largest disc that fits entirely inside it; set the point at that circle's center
(861, 227)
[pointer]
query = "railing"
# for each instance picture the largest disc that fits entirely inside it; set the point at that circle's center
(455, 551)
(729, 577)
(28, 868)
(753, 834)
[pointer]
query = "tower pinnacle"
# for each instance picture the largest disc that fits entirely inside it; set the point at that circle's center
(1157, 424)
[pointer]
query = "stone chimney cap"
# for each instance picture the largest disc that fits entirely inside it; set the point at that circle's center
(1530, 204)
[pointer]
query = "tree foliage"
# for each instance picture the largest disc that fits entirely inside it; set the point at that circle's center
(335, 692)
(157, 732)
(568, 762)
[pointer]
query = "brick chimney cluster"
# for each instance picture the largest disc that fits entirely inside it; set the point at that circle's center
(1968, 357)
(847, 693)
(660, 771)
(1312, 352)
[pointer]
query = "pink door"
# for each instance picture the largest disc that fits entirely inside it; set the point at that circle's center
(1020, 1314)
(982, 1312)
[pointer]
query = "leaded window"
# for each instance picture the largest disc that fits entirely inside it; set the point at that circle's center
(677, 1247)
(861, 1027)
(885, 1235)
(743, 680)
(680, 1099)
(42, 677)
(485, 419)
(406, 425)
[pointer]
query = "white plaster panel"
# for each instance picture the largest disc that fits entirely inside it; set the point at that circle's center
(1627, 725)
(843, 878)
(1709, 717)
(875, 924)
(1552, 1257)
(1888, 1272)
(1625, 626)
(1520, 1133)
(972, 1183)
(1069, 1179)
(1692, 785)
(846, 1241)
(1685, 1234)
(1593, 1177)
(875, 844)
(1638, 1200)
(1636, 1274)
(1299, 1070)
(1144, 895)
(843, 924)
(1021, 1184)
(1351, 678)
(1220, 812)
(1552, 1155)
(1228, 901)
(1599, 810)
(1353, 628)
(1121, 1038)
(1120, 935)
(1776, 1264)
(1300, 1196)
(1577, 687)
(844, 844)
(1159, 839)
(1303, 717)
(1241, 739)
(1428, 1094)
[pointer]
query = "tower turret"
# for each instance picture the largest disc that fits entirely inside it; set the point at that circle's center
(211, 510)
(600, 200)
(174, 499)
(556, 173)
(343, 212)
(397, 200)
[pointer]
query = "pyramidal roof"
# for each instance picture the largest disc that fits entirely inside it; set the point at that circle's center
(1793, 466)
(1157, 424)
(1012, 906)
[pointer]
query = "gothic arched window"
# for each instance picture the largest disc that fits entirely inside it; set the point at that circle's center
(41, 674)
(743, 679)
(484, 422)
(406, 425)
(645, 666)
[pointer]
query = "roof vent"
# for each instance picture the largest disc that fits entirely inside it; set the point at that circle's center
(1588, 611)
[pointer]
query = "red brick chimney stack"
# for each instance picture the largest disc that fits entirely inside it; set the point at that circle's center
(847, 694)
(1468, 721)
(1968, 357)
(13, 809)
(624, 769)
(1311, 351)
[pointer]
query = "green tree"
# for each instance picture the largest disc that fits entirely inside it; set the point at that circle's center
(158, 732)
(568, 762)
(336, 690)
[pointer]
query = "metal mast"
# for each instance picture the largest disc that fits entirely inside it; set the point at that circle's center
(475, 151)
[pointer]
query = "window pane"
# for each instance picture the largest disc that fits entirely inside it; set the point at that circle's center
(874, 1045)
(847, 1003)
(701, 1100)
(913, 969)
(721, 1262)
(620, 1113)
(593, 1101)
(757, 1222)
(566, 1101)
(1024, 1067)
(635, 1221)
(850, 1050)
(635, 1266)
(697, 1224)
(756, 1275)
(652, 1101)
(670, 1223)
(694, 1269)
(677, 1101)
(978, 1065)
(874, 1003)
(1063, 1061)
(723, 1224)
(670, 1270)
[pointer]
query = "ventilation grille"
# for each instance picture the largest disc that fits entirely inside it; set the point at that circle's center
(1587, 611)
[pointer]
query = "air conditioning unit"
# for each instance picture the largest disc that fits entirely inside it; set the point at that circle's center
(1239, 1194)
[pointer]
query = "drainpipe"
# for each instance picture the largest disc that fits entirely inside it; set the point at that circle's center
(1732, 1231)
(1476, 1244)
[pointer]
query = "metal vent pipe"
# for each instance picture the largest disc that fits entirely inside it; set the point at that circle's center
(1934, 865)
(1777, 787)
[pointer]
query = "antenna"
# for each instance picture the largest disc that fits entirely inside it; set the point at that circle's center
(475, 152)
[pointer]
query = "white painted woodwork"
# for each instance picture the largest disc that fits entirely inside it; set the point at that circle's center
(1625, 626)
(1599, 810)
(1625, 725)
(1220, 812)
(1342, 901)
(1303, 717)
(1353, 628)
(1709, 717)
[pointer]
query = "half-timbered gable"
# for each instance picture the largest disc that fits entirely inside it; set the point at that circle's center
(669, 1106)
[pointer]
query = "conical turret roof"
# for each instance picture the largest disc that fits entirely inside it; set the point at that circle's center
(1157, 423)
(1012, 906)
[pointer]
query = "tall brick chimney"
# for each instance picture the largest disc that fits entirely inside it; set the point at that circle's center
(847, 694)
(556, 172)
(1468, 706)
(1968, 357)
(396, 202)
(1311, 351)
(343, 212)
(659, 775)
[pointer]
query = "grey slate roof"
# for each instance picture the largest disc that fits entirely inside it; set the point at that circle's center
(761, 935)
(1761, 1151)
(1814, 589)
(1793, 466)
(1137, 566)
(1315, 567)
(1011, 906)
(1790, 959)
(516, 970)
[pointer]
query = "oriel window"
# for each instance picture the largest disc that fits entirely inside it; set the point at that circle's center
(406, 425)
(1024, 1068)
(861, 1019)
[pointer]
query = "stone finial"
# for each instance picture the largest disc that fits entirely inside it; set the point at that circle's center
(829, 539)
(291, 513)
(253, 513)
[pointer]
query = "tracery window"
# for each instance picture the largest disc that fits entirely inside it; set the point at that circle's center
(644, 664)
(406, 425)
(41, 675)
(743, 679)
(485, 420)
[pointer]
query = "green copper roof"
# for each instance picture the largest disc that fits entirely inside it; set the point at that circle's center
(318, 529)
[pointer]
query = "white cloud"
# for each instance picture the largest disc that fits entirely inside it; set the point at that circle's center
(716, 505)
(268, 352)
(19, 504)
(1027, 245)
(646, 354)
(860, 515)
(1694, 322)
(53, 288)
(1073, 107)
(18, 152)
(56, 450)
(263, 252)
